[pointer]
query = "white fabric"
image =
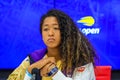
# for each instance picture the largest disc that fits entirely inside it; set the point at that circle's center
(28, 76)
(87, 74)
(60, 76)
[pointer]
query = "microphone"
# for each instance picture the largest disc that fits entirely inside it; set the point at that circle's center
(35, 74)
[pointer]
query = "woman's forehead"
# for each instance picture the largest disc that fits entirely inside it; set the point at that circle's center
(49, 20)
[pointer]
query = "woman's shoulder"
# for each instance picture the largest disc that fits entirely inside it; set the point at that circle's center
(85, 72)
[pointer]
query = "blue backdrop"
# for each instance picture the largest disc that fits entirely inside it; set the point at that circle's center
(99, 20)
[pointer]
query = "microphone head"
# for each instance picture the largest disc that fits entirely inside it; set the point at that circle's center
(35, 71)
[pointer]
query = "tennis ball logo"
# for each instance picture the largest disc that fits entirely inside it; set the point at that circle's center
(87, 21)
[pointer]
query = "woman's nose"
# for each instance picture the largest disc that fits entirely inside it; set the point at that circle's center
(51, 32)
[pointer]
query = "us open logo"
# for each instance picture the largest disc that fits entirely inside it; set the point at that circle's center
(88, 21)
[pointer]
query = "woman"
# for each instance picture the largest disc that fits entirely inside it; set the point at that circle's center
(68, 55)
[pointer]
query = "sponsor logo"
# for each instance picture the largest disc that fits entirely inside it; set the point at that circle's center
(88, 22)
(80, 69)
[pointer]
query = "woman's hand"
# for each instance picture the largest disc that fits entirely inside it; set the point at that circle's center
(46, 69)
(39, 64)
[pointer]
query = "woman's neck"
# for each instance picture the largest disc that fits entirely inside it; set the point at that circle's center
(54, 52)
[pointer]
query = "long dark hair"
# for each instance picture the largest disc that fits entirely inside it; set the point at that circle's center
(75, 48)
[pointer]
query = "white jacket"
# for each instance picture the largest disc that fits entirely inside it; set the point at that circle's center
(85, 72)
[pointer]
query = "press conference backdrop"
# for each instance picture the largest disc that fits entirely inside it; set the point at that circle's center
(99, 20)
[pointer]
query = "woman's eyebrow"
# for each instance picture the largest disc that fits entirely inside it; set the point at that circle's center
(45, 24)
(55, 24)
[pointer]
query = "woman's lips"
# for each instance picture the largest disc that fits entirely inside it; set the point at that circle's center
(51, 39)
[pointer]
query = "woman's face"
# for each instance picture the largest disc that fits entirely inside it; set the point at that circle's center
(51, 32)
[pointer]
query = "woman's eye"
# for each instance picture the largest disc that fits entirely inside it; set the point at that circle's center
(46, 29)
(56, 28)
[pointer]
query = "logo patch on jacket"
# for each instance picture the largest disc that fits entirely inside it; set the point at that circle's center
(80, 69)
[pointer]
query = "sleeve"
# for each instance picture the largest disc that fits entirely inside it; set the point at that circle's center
(19, 72)
(85, 72)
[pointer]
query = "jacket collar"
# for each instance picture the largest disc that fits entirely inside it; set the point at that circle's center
(38, 54)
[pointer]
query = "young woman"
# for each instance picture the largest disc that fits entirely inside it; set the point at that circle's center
(68, 55)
